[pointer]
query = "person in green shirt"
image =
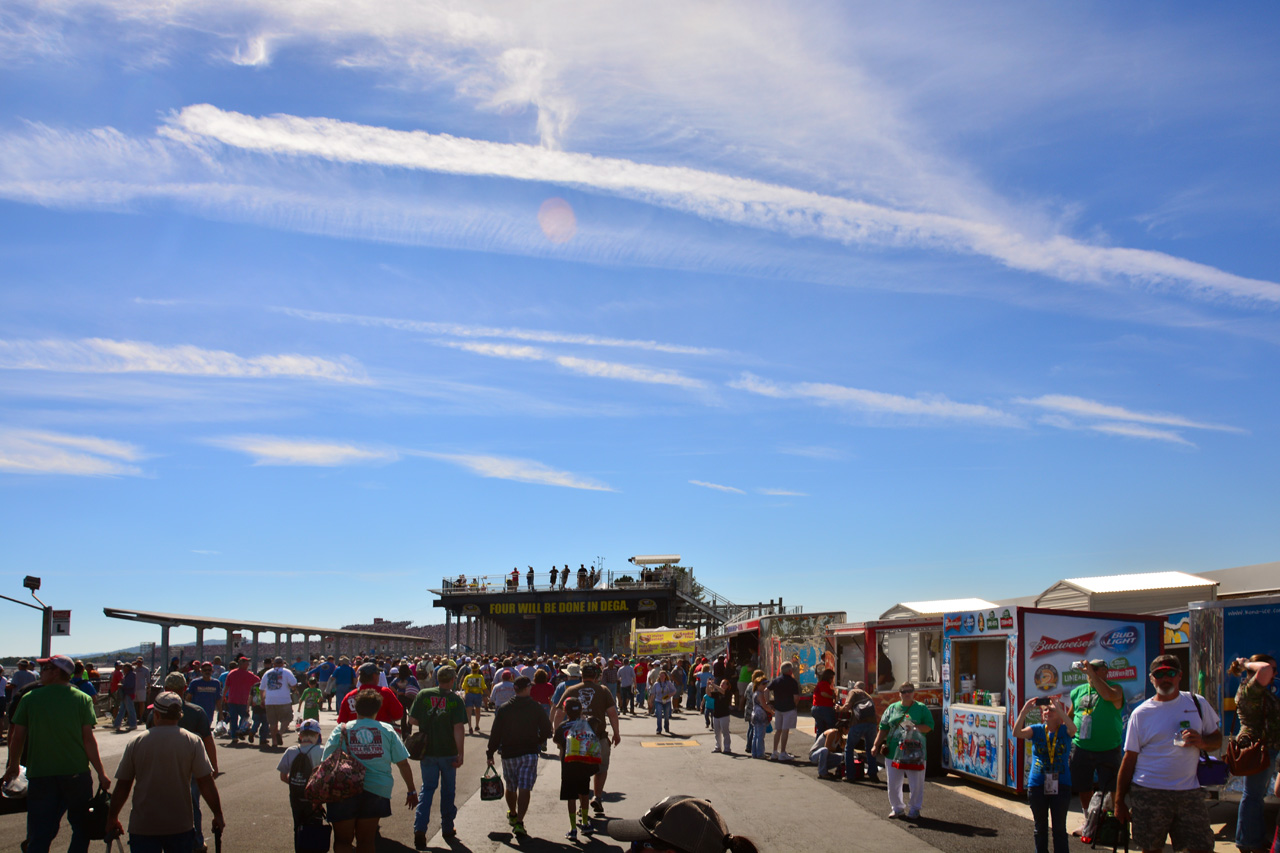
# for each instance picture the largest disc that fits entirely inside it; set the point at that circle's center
(1096, 708)
(440, 714)
(899, 719)
(744, 681)
(54, 722)
(309, 701)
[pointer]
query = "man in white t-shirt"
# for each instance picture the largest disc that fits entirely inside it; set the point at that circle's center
(277, 695)
(1157, 784)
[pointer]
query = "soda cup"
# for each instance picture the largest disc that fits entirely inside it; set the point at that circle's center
(1180, 738)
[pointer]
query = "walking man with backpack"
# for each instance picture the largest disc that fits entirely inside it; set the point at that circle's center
(863, 726)
(441, 716)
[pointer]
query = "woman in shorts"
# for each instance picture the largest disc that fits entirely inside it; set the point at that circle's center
(377, 746)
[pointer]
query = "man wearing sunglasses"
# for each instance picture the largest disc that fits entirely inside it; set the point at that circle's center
(1157, 784)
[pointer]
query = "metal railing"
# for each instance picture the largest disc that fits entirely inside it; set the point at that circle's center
(508, 583)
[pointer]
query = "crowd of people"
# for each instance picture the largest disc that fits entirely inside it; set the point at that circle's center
(391, 713)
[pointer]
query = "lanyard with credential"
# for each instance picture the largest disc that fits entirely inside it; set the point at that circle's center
(1051, 741)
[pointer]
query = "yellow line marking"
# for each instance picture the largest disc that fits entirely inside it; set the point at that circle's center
(665, 743)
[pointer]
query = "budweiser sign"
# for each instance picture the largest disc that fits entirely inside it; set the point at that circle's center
(1076, 645)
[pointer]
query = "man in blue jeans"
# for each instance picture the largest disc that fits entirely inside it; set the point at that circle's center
(55, 723)
(863, 724)
(440, 714)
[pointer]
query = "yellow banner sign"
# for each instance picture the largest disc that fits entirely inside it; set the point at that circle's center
(664, 642)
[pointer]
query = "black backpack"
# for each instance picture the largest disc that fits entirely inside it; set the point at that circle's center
(300, 771)
(865, 711)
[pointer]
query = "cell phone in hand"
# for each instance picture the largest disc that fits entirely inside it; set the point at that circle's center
(1042, 700)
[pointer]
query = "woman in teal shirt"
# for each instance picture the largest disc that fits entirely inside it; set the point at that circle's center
(1049, 783)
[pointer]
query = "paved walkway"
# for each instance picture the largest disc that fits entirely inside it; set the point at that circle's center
(780, 806)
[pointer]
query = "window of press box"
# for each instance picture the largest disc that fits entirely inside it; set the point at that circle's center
(914, 656)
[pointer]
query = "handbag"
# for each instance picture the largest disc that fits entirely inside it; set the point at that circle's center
(417, 744)
(1211, 771)
(94, 824)
(491, 787)
(1246, 756)
(313, 837)
(339, 777)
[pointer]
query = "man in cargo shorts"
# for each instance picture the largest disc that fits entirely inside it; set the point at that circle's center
(1157, 784)
(1096, 706)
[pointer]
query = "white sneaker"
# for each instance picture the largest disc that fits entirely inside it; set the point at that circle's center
(895, 815)
(913, 815)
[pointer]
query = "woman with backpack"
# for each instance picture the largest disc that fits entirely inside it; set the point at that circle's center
(1049, 782)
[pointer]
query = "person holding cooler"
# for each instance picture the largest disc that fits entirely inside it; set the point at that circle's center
(1049, 782)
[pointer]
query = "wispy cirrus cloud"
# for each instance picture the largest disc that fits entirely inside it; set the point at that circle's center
(1081, 407)
(518, 470)
(934, 406)
(40, 452)
(102, 355)
(718, 487)
(783, 493)
(1139, 431)
(275, 450)
(459, 330)
(583, 366)
(710, 195)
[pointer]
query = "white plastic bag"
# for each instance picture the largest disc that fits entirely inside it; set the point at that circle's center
(16, 788)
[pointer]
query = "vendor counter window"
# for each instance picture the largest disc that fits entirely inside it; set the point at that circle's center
(914, 656)
(852, 656)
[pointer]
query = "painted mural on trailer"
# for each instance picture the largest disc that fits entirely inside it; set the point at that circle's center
(800, 639)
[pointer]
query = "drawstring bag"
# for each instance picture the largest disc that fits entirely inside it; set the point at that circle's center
(339, 777)
(910, 752)
(581, 745)
(491, 787)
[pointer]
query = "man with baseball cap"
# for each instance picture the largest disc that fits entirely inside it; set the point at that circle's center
(194, 720)
(392, 711)
(1096, 705)
(679, 824)
(161, 765)
(1157, 784)
(55, 723)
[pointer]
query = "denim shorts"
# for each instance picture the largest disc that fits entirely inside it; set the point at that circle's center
(361, 806)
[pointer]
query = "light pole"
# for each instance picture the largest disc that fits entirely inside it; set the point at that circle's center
(46, 615)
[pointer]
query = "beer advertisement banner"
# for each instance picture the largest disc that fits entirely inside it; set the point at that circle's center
(1053, 643)
(650, 643)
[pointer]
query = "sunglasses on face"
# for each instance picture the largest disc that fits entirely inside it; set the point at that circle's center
(1166, 673)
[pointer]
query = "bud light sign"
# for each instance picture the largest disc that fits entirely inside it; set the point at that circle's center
(1120, 640)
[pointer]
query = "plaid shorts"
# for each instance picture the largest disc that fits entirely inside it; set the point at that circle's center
(1182, 815)
(520, 772)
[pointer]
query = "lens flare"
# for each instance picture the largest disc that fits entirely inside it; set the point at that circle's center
(556, 219)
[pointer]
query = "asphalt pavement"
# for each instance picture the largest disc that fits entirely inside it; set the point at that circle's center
(781, 806)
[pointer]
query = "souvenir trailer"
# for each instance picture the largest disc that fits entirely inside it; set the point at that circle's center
(887, 652)
(994, 660)
(1222, 631)
(800, 638)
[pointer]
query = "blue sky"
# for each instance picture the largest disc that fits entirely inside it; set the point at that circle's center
(305, 306)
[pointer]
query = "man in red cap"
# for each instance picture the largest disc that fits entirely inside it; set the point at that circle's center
(55, 722)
